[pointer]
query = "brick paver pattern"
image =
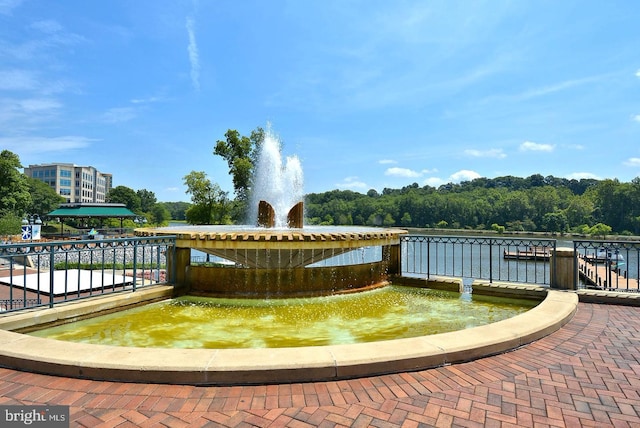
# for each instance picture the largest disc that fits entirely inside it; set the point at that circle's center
(587, 374)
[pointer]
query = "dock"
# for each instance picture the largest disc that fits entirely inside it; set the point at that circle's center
(603, 275)
(530, 253)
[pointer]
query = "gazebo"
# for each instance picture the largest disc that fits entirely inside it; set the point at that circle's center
(80, 211)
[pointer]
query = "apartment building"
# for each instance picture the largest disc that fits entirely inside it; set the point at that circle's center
(75, 183)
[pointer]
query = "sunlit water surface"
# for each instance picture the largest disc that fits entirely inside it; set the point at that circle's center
(391, 312)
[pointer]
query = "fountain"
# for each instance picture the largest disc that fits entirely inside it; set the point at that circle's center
(278, 256)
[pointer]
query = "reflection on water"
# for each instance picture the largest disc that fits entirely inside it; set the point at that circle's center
(392, 312)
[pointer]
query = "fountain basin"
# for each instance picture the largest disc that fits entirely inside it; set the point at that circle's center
(260, 366)
(387, 313)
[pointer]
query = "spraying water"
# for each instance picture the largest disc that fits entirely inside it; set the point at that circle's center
(278, 183)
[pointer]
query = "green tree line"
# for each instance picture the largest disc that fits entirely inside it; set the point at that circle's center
(535, 203)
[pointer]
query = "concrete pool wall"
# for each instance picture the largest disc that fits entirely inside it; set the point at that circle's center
(279, 365)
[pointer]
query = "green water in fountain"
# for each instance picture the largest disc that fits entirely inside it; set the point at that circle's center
(391, 312)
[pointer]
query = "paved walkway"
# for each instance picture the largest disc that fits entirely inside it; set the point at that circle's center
(586, 374)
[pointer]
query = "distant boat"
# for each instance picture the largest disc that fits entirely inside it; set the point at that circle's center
(604, 255)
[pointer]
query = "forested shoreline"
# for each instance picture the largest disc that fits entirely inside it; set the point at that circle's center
(536, 203)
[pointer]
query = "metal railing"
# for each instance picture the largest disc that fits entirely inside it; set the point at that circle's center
(518, 260)
(43, 273)
(607, 265)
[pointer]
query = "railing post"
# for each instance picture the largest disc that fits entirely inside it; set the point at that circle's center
(51, 274)
(135, 263)
(491, 261)
(563, 268)
(428, 257)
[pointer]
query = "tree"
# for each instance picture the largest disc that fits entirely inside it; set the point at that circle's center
(555, 222)
(388, 220)
(241, 154)
(579, 210)
(176, 209)
(600, 229)
(147, 200)
(498, 228)
(44, 198)
(14, 189)
(160, 215)
(406, 219)
(210, 203)
(10, 224)
(127, 196)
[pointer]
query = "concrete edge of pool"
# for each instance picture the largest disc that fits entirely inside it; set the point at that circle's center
(263, 366)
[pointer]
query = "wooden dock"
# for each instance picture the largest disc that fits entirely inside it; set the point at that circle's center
(530, 253)
(602, 276)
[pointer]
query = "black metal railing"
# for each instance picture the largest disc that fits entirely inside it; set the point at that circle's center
(44, 273)
(607, 265)
(518, 260)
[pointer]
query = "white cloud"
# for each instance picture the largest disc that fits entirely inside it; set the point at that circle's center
(17, 80)
(561, 86)
(402, 172)
(6, 6)
(638, 73)
(34, 105)
(491, 153)
(386, 161)
(456, 177)
(581, 175)
(635, 162)
(636, 118)
(529, 146)
(194, 58)
(29, 145)
(148, 100)
(119, 114)
(433, 182)
(352, 183)
(47, 26)
(463, 175)
(18, 115)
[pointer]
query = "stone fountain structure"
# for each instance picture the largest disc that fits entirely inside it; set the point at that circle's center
(278, 256)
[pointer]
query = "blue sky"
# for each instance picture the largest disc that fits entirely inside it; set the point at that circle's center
(368, 94)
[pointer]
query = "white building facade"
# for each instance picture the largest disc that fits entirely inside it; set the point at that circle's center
(74, 183)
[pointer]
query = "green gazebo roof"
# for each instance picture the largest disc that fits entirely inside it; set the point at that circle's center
(92, 210)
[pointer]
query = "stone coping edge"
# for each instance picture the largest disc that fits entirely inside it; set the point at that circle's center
(609, 297)
(281, 365)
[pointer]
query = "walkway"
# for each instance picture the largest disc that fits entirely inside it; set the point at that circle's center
(586, 374)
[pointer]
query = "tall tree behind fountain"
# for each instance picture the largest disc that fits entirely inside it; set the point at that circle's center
(279, 185)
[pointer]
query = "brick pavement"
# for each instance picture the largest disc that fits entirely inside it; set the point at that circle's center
(586, 374)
